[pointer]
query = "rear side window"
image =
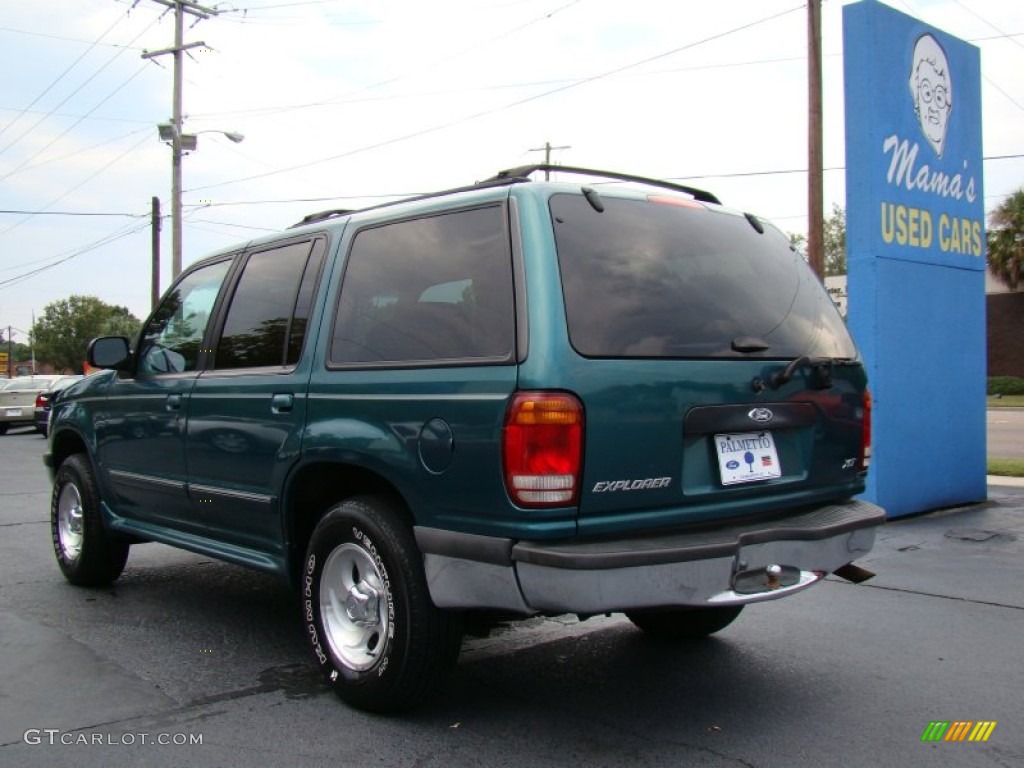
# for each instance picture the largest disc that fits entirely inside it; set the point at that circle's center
(429, 289)
(653, 280)
(266, 322)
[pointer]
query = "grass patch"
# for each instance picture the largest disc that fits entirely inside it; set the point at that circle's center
(1006, 467)
(1006, 401)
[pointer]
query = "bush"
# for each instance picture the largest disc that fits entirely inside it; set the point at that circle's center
(1005, 385)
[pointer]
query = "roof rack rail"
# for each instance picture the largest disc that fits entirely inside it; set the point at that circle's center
(321, 216)
(324, 215)
(523, 172)
(517, 176)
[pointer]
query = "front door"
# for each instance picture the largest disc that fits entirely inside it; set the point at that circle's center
(141, 432)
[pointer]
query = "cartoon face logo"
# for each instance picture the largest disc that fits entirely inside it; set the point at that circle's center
(931, 89)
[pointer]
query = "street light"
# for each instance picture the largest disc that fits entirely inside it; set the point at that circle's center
(182, 142)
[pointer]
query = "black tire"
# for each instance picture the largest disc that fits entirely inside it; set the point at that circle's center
(88, 555)
(685, 624)
(3, 429)
(376, 636)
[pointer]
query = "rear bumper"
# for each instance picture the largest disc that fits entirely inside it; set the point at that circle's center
(721, 566)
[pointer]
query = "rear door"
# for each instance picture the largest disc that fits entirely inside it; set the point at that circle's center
(679, 316)
(248, 408)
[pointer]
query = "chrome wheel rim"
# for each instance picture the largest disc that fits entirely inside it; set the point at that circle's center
(354, 607)
(70, 522)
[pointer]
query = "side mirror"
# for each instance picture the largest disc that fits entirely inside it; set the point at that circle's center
(109, 352)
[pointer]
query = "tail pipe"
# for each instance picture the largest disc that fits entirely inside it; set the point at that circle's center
(853, 573)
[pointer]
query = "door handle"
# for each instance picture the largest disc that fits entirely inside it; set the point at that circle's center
(282, 403)
(173, 402)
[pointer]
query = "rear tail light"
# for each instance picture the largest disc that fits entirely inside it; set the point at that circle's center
(865, 441)
(40, 401)
(542, 449)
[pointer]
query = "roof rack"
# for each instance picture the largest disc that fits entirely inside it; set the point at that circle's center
(523, 172)
(517, 176)
(324, 215)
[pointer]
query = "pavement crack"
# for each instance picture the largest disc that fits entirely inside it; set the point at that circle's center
(906, 591)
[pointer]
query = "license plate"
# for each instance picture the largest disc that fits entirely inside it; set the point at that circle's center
(13, 413)
(747, 457)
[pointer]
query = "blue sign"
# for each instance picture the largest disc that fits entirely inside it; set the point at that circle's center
(916, 253)
(913, 112)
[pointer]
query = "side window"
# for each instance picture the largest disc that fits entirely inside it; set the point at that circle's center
(266, 322)
(437, 288)
(174, 334)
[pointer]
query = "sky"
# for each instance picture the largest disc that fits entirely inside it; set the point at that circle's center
(345, 103)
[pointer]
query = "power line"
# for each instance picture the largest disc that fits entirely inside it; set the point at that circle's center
(79, 185)
(75, 92)
(989, 23)
(411, 193)
(519, 102)
(71, 213)
(59, 78)
(61, 259)
(71, 127)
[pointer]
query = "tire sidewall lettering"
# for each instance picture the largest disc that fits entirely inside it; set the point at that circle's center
(371, 549)
(310, 614)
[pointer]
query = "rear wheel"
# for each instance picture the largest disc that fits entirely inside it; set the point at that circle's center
(374, 632)
(88, 555)
(685, 624)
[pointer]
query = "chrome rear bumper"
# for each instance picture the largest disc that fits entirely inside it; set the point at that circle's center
(721, 566)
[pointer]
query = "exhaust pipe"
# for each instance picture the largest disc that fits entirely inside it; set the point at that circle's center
(853, 573)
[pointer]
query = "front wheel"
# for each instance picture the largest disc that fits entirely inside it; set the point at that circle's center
(375, 634)
(685, 624)
(88, 555)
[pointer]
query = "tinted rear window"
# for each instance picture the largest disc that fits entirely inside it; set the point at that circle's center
(649, 279)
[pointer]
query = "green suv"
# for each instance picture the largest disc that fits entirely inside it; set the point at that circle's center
(508, 399)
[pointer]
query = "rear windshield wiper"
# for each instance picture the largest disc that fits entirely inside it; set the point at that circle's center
(821, 373)
(820, 366)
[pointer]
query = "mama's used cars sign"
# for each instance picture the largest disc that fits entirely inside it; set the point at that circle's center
(913, 122)
(916, 253)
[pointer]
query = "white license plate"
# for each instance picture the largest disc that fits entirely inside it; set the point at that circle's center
(13, 413)
(747, 457)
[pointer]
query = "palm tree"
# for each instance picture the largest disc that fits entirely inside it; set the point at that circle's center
(1006, 240)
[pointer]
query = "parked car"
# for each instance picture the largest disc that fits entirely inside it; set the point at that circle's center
(18, 398)
(518, 397)
(42, 406)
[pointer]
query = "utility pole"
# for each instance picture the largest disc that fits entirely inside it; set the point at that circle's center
(155, 281)
(815, 186)
(181, 7)
(546, 149)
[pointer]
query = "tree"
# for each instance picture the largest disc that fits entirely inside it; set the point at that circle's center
(834, 242)
(1006, 240)
(66, 327)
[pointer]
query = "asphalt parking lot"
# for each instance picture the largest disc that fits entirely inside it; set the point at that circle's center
(847, 675)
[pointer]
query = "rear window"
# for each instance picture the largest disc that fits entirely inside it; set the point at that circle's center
(652, 280)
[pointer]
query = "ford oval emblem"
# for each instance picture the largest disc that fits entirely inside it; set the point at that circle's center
(761, 415)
